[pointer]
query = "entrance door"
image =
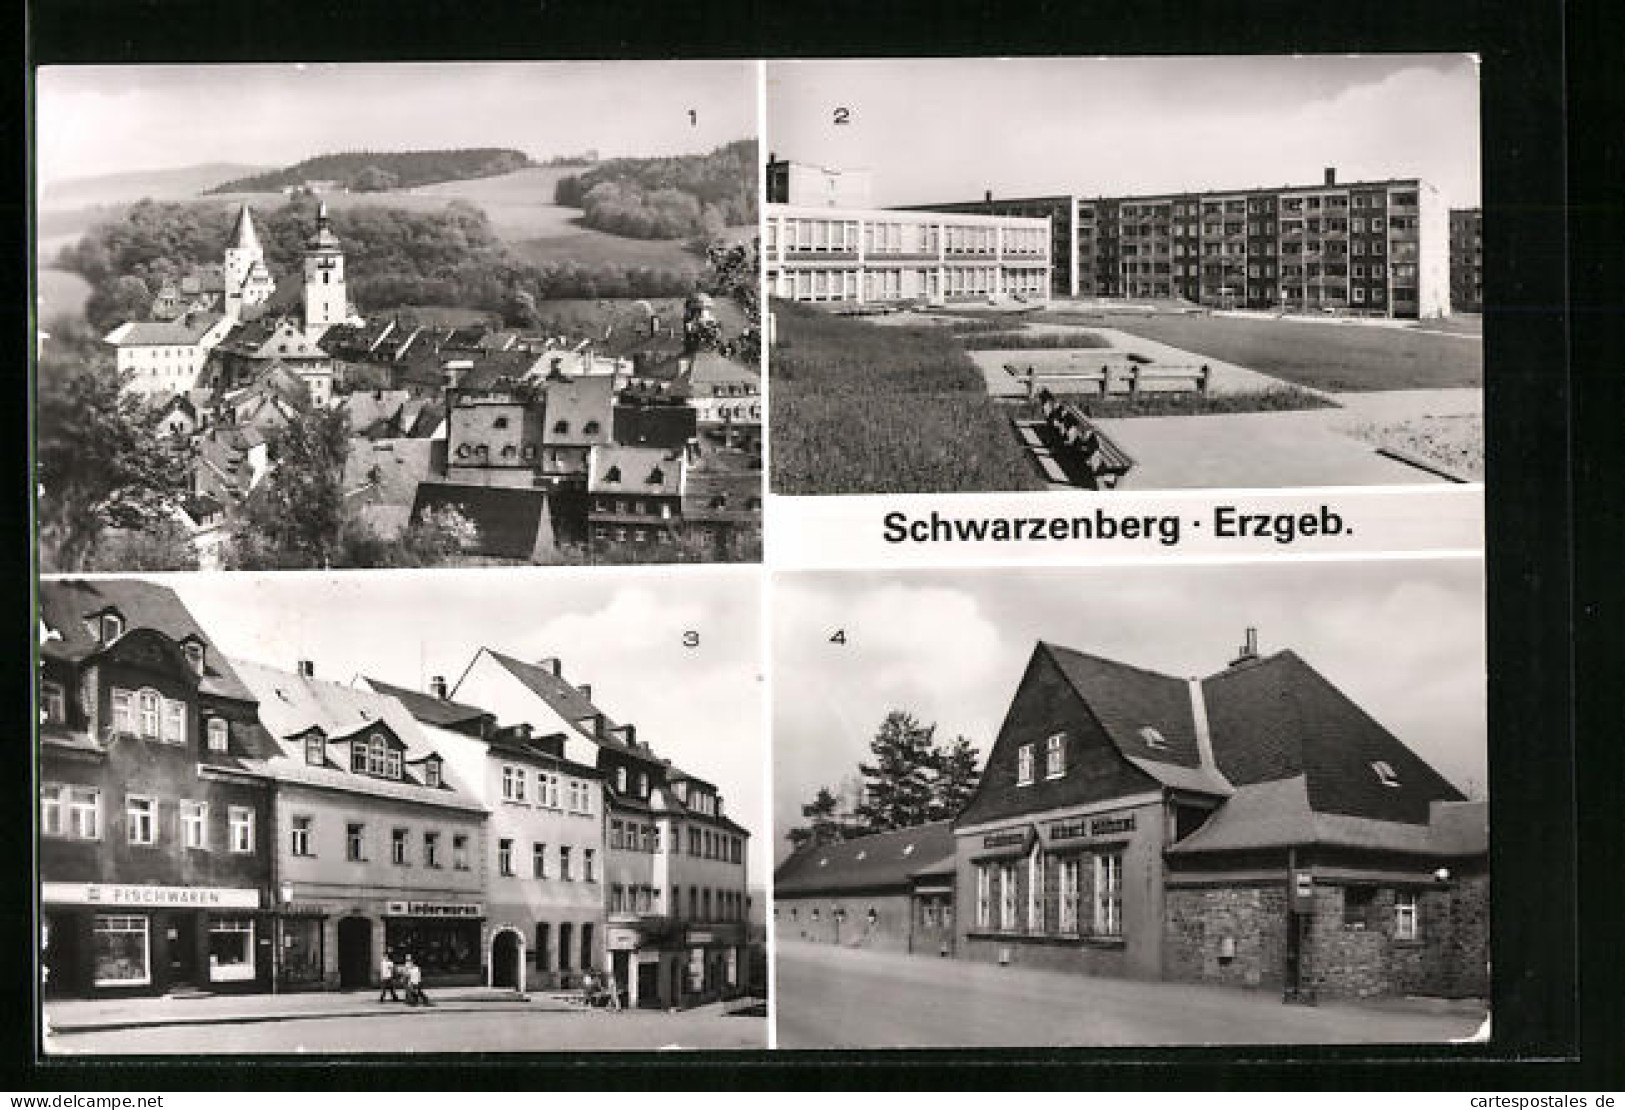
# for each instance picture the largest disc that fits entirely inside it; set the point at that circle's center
(649, 986)
(59, 952)
(180, 937)
(355, 953)
(505, 960)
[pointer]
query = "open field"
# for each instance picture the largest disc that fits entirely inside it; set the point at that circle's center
(1335, 359)
(861, 408)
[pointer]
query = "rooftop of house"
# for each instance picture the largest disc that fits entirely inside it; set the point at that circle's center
(877, 862)
(67, 606)
(428, 708)
(648, 471)
(183, 332)
(389, 471)
(570, 703)
(510, 521)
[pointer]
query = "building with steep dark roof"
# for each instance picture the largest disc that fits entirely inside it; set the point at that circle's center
(1255, 827)
(155, 811)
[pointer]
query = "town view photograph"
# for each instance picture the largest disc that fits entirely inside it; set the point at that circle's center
(1124, 273)
(335, 316)
(1111, 806)
(309, 812)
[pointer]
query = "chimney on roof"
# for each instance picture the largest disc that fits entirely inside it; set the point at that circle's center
(552, 666)
(1331, 175)
(306, 668)
(631, 734)
(437, 687)
(586, 690)
(1249, 649)
(987, 196)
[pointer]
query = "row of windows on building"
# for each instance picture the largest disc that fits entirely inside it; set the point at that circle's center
(1321, 202)
(902, 237)
(1334, 249)
(893, 284)
(1010, 896)
(632, 507)
(75, 813)
(516, 789)
(144, 713)
(1360, 270)
(567, 855)
(704, 904)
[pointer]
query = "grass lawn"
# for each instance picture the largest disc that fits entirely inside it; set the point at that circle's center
(1032, 341)
(1337, 359)
(860, 408)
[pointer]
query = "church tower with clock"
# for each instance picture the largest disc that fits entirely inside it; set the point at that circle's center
(326, 303)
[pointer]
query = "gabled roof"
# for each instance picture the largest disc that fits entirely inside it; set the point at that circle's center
(64, 604)
(570, 703)
(183, 332)
(648, 471)
(389, 471)
(511, 521)
(427, 708)
(292, 704)
(575, 403)
(874, 863)
(1126, 699)
(668, 426)
(1276, 718)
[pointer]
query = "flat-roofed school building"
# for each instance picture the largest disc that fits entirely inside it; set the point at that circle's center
(867, 256)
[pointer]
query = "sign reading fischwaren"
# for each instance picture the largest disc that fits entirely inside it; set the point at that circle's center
(114, 894)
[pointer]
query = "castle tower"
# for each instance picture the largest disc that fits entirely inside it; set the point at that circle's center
(326, 302)
(247, 281)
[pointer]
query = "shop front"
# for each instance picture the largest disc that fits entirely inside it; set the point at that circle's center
(443, 938)
(112, 939)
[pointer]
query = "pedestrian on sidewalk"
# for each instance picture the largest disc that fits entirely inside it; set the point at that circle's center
(414, 984)
(387, 978)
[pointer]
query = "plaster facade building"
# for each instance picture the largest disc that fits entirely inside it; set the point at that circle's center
(166, 358)
(380, 845)
(676, 919)
(154, 864)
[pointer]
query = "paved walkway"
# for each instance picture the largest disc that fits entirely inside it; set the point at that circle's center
(838, 997)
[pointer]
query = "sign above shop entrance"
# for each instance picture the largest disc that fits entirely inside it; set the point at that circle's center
(434, 909)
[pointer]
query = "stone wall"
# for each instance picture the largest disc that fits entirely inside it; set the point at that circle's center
(1200, 920)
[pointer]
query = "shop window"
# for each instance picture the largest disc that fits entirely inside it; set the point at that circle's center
(231, 950)
(1358, 904)
(195, 825)
(241, 820)
(1024, 765)
(1407, 923)
(121, 951)
(141, 820)
(1109, 894)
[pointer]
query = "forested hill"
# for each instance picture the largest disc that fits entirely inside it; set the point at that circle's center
(667, 198)
(375, 171)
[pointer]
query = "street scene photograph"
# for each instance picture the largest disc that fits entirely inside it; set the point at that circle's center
(397, 315)
(1172, 805)
(449, 811)
(1123, 273)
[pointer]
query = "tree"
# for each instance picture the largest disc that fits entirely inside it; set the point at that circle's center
(165, 546)
(100, 462)
(957, 773)
(898, 784)
(125, 298)
(371, 179)
(295, 517)
(822, 827)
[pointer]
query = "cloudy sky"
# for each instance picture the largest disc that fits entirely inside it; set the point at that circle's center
(621, 631)
(1403, 638)
(96, 120)
(948, 129)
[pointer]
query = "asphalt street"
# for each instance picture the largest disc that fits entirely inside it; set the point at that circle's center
(832, 997)
(433, 1030)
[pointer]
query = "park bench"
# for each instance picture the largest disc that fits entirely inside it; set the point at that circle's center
(1103, 380)
(1099, 453)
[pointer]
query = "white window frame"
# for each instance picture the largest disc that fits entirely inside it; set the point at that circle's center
(300, 835)
(77, 808)
(1007, 897)
(1108, 894)
(172, 721)
(431, 848)
(1035, 891)
(1024, 765)
(195, 825)
(219, 734)
(149, 713)
(240, 821)
(122, 923)
(505, 857)
(1070, 871)
(355, 842)
(1055, 756)
(52, 810)
(229, 973)
(316, 745)
(459, 852)
(54, 700)
(1407, 915)
(147, 819)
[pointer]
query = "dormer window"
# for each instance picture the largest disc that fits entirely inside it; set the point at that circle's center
(377, 756)
(620, 779)
(315, 750)
(1385, 773)
(590, 427)
(561, 427)
(612, 475)
(193, 650)
(1153, 738)
(643, 784)
(431, 773)
(218, 734)
(358, 757)
(500, 422)
(656, 476)
(112, 627)
(392, 764)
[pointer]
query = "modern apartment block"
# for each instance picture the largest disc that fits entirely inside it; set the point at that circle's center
(1467, 259)
(1370, 247)
(863, 256)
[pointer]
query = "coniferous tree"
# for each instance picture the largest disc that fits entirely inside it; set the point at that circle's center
(823, 827)
(898, 784)
(958, 768)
